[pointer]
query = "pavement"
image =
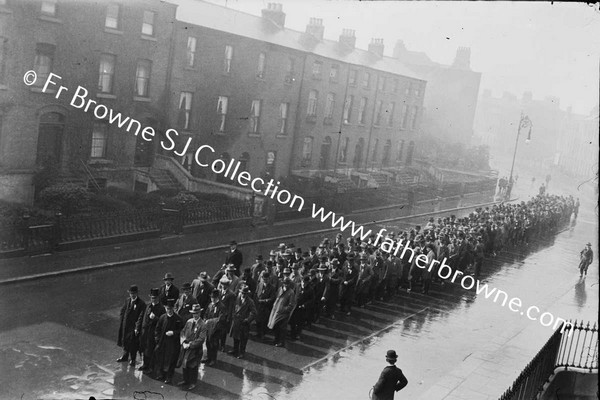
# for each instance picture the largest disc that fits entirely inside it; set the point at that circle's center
(21, 269)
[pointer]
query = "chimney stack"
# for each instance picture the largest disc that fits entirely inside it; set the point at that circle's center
(463, 58)
(315, 28)
(274, 13)
(399, 49)
(376, 47)
(348, 38)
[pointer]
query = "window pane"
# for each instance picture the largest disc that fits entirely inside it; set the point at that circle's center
(99, 139)
(191, 51)
(329, 105)
(148, 24)
(142, 78)
(261, 65)
(112, 16)
(228, 57)
(347, 109)
(42, 66)
(283, 113)
(49, 7)
(185, 106)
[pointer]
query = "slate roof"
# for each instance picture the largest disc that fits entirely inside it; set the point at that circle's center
(217, 17)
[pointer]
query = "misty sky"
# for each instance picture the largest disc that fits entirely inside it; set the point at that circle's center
(549, 49)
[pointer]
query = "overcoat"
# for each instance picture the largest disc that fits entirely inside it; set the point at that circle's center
(216, 318)
(194, 333)
(365, 275)
(201, 291)
(130, 313)
(244, 312)
(147, 325)
(183, 306)
(283, 307)
(171, 293)
(167, 347)
(391, 380)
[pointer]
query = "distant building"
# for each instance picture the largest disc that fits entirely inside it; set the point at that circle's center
(452, 93)
(577, 150)
(497, 122)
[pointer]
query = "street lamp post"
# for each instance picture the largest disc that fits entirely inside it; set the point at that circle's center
(524, 122)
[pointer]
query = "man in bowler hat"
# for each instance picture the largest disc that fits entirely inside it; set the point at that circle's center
(235, 257)
(168, 290)
(192, 339)
(146, 325)
(167, 347)
(128, 332)
(391, 379)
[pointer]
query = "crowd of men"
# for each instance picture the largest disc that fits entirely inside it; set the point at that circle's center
(295, 288)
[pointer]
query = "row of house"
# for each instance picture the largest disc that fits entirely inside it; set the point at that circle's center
(280, 101)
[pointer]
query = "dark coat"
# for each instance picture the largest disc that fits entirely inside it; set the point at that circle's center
(130, 313)
(164, 294)
(195, 336)
(167, 347)
(264, 299)
(236, 258)
(202, 293)
(364, 279)
(391, 380)
(147, 325)
(243, 315)
(183, 307)
(347, 291)
(216, 318)
(283, 307)
(304, 304)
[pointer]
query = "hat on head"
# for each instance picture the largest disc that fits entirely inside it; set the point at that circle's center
(230, 268)
(588, 244)
(215, 293)
(291, 245)
(259, 257)
(233, 243)
(272, 253)
(170, 303)
(203, 276)
(322, 269)
(245, 290)
(288, 253)
(313, 248)
(281, 245)
(224, 280)
(186, 286)
(287, 271)
(391, 355)
(306, 278)
(168, 276)
(154, 292)
(133, 289)
(335, 262)
(196, 308)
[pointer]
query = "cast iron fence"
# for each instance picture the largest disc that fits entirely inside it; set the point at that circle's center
(576, 347)
(21, 236)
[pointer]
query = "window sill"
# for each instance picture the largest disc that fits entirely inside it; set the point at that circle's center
(105, 96)
(49, 18)
(149, 38)
(99, 161)
(142, 99)
(282, 136)
(113, 31)
(38, 89)
(253, 134)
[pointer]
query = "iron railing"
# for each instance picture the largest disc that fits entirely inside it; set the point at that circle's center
(580, 349)
(576, 347)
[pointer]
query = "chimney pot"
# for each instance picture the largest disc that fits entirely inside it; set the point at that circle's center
(376, 47)
(315, 28)
(348, 38)
(274, 13)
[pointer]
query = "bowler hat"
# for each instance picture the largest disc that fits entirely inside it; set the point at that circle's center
(133, 289)
(170, 303)
(154, 292)
(391, 354)
(233, 243)
(588, 244)
(168, 276)
(196, 309)
(186, 286)
(281, 245)
(259, 257)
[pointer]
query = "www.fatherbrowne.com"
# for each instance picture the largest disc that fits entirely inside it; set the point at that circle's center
(80, 100)
(444, 271)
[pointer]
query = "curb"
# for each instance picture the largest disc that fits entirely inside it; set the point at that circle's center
(206, 249)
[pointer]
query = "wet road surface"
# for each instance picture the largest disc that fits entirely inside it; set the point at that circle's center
(58, 335)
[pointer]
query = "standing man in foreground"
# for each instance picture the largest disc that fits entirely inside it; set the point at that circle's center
(587, 257)
(391, 379)
(128, 328)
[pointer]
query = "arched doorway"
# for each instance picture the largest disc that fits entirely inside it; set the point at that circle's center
(50, 136)
(325, 150)
(358, 152)
(409, 154)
